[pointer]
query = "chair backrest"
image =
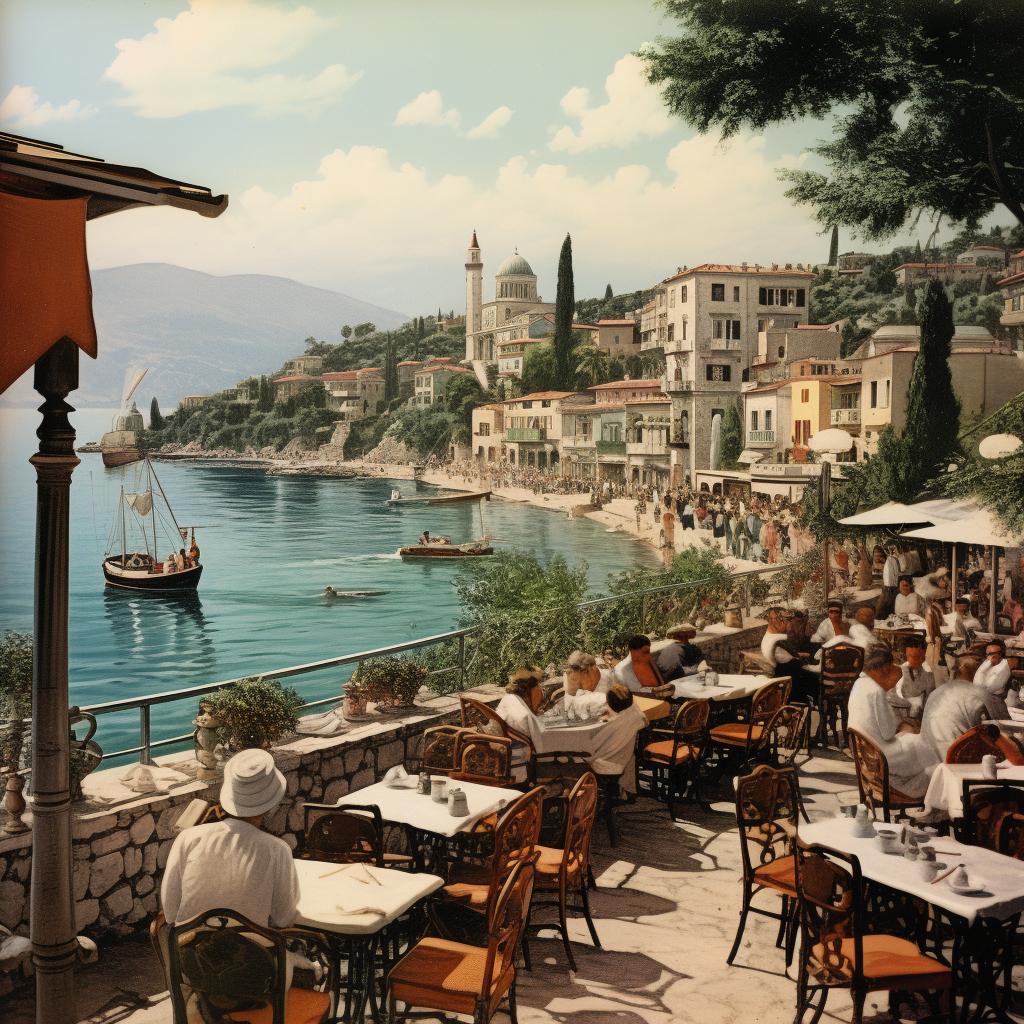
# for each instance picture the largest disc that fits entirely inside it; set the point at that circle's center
(841, 664)
(1011, 836)
(515, 838)
(765, 799)
(505, 923)
(872, 772)
(483, 759)
(554, 813)
(690, 728)
(216, 966)
(439, 745)
(344, 835)
(580, 823)
(787, 734)
(987, 803)
(829, 888)
(979, 741)
(481, 717)
(768, 699)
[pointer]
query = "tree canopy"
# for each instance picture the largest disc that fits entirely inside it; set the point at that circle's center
(928, 94)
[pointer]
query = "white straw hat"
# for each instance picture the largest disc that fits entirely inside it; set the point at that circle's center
(252, 784)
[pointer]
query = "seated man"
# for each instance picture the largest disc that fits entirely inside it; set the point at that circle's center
(961, 621)
(953, 709)
(907, 601)
(861, 630)
(774, 635)
(680, 658)
(233, 863)
(782, 654)
(910, 758)
(586, 684)
(638, 671)
(994, 672)
(832, 626)
(909, 695)
(615, 744)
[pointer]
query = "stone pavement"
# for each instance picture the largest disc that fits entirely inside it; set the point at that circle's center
(666, 911)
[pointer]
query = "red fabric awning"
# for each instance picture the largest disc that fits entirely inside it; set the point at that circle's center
(45, 290)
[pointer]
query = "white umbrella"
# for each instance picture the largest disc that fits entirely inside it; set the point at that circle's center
(892, 513)
(974, 526)
(831, 440)
(998, 446)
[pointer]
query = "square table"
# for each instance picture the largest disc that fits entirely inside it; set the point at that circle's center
(729, 687)
(982, 926)
(946, 791)
(328, 895)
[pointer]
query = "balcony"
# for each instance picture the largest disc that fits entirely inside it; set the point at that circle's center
(611, 447)
(577, 443)
(526, 434)
(760, 437)
(726, 344)
(679, 438)
(846, 417)
(646, 447)
(668, 385)
(677, 345)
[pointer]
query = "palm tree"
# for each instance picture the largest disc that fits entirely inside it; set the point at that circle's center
(592, 364)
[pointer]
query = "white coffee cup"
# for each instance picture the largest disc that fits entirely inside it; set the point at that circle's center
(988, 766)
(439, 790)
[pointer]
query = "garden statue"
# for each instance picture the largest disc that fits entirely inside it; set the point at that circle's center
(205, 739)
(86, 755)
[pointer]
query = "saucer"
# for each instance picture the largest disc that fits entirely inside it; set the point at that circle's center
(972, 889)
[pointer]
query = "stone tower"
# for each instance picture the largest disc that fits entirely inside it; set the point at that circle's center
(474, 296)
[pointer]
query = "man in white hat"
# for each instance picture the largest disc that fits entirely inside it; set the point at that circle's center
(680, 658)
(233, 864)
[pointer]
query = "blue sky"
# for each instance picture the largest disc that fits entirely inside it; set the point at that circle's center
(361, 142)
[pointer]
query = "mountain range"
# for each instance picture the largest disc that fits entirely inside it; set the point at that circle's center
(199, 333)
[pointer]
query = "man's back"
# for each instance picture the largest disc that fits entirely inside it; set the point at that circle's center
(949, 712)
(230, 864)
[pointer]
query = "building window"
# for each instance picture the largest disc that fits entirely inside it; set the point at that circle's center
(671, 296)
(718, 293)
(671, 333)
(801, 296)
(717, 372)
(732, 329)
(617, 337)
(736, 293)
(753, 420)
(717, 328)
(888, 388)
(683, 333)
(805, 395)
(874, 394)
(545, 403)
(682, 293)
(767, 419)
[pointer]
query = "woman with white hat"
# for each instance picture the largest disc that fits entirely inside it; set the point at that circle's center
(233, 864)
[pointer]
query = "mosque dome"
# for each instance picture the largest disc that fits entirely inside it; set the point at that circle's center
(515, 265)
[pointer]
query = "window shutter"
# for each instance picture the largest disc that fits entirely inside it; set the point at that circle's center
(762, 296)
(801, 296)
(736, 329)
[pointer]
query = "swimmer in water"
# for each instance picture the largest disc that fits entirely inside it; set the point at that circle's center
(330, 592)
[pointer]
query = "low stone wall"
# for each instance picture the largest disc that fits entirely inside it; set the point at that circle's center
(722, 650)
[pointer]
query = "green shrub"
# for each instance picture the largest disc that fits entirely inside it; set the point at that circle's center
(15, 696)
(257, 712)
(391, 682)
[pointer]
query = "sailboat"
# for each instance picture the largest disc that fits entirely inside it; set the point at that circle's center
(119, 445)
(137, 522)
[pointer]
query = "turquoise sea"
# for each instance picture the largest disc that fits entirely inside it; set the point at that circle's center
(269, 547)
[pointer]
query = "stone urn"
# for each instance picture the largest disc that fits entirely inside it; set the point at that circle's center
(354, 703)
(12, 742)
(86, 754)
(206, 740)
(733, 617)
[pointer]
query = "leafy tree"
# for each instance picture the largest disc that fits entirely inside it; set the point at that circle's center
(266, 398)
(363, 329)
(462, 394)
(930, 93)
(616, 368)
(635, 367)
(426, 429)
(608, 293)
(539, 371)
(312, 395)
(346, 332)
(833, 251)
(592, 365)
(732, 438)
(390, 369)
(156, 421)
(564, 343)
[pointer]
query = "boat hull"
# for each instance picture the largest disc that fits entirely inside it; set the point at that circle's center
(447, 499)
(120, 456)
(444, 551)
(141, 579)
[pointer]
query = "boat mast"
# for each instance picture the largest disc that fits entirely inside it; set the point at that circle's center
(153, 476)
(124, 542)
(152, 512)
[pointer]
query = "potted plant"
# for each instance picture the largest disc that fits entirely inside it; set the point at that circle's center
(255, 712)
(391, 682)
(15, 698)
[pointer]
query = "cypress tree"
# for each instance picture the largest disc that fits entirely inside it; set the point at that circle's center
(732, 437)
(833, 251)
(390, 369)
(608, 293)
(156, 421)
(565, 302)
(933, 409)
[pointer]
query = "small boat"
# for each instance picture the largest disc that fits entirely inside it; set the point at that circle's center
(119, 445)
(441, 499)
(474, 549)
(138, 566)
(89, 448)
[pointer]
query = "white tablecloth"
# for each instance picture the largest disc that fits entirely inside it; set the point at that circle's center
(945, 791)
(408, 807)
(1003, 876)
(728, 688)
(326, 891)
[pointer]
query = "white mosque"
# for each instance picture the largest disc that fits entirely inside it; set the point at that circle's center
(516, 304)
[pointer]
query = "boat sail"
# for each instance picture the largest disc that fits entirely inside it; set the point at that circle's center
(141, 517)
(119, 445)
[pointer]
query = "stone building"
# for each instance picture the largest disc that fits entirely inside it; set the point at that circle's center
(431, 380)
(533, 429)
(355, 393)
(908, 273)
(1012, 288)
(488, 427)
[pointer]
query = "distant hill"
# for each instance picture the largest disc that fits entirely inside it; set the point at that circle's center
(199, 333)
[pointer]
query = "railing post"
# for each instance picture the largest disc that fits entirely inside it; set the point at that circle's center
(462, 662)
(144, 755)
(746, 594)
(643, 612)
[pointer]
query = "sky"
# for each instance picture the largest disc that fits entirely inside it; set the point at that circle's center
(361, 142)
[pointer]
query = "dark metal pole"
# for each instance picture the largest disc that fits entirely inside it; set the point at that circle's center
(54, 945)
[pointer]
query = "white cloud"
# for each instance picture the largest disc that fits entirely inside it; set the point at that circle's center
(488, 127)
(204, 58)
(428, 109)
(21, 105)
(634, 111)
(392, 234)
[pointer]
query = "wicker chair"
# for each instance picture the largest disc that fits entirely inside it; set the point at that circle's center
(837, 953)
(873, 778)
(486, 760)
(343, 835)
(987, 804)
(981, 740)
(767, 799)
(840, 667)
(744, 742)
(439, 749)
(673, 765)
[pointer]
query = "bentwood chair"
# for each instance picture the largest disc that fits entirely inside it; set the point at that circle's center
(836, 950)
(981, 740)
(455, 977)
(840, 667)
(347, 835)
(987, 803)
(767, 802)
(439, 745)
(873, 778)
(485, 760)
(221, 966)
(673, 765)
(743, 742)
(565, 871)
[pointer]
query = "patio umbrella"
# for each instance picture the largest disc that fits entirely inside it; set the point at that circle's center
(976, 526)
(892, 513)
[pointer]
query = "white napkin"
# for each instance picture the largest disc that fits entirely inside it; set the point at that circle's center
(359, 910)
(396, 777)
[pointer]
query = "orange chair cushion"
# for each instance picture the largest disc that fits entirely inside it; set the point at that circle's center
(662, 751)
(735, 733)
(445, 975)
(778, 874)
(886, 956)
(546, 868)
(471, 894)
(304, 1007)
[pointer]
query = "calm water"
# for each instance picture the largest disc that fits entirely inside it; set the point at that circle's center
(271, 546)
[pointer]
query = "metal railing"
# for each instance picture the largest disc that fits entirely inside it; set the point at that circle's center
(760, 437)
(145, 704)
(850, 416)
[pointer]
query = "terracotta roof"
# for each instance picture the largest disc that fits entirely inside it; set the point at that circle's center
(301, 376)
(731, 268)
(992, 248)
(939, 266)
(541, 395)
(627, 384)
(610, 323)
(410, 362)
(445, 366)
(340, 375)
(773, 386)
(474, 244)
(1012, 279)
(815, 327)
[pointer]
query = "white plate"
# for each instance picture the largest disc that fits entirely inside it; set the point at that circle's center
(969, 890)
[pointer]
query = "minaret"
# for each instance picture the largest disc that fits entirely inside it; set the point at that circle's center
(474, 297)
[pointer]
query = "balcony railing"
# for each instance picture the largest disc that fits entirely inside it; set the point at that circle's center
(845, 417)
(526, 434)
(677, 345)
(578, 442)
(668, 385)
(646, 448)
(611, 447)
(730, 344)
(679, 438)
(760, 437)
